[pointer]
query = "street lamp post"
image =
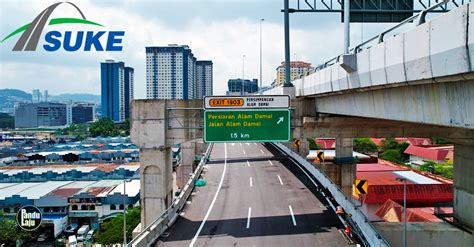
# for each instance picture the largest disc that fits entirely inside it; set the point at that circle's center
(261, 21)
(404, 180)
(243, 75)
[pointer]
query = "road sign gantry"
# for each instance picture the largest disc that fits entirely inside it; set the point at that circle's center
(262, 118)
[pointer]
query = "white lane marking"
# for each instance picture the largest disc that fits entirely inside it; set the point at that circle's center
(262, 151)
(271, 163)
(248, 144)
(213, 200)
(292, 215)
(243, 150)
(232, 144)
(240, 144)
(250, 179)
(248, 163)
(248, 217)
(255, 144)
(279, 178)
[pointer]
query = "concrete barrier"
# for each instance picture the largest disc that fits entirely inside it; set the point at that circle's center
(150, 234)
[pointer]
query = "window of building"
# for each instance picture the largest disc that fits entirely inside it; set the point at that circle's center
(121, 206)
(6, 210)
(83, 207)
(74, 207)
(92, 207)
(113, 207)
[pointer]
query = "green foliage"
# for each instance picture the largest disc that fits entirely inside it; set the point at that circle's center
(9, 232)
(393, 155)
(6, 121)
(445, 170)
(124, 128)
(79, 130)
(103, 127)
(440, 141)
(112, 231)
(312, 144)
(364, 145)
(388, 143)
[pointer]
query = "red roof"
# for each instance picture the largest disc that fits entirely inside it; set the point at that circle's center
(382, 165)
(416, 193)
(326, 143)
(411, 141)
(65, 192)
(440, 153)
(393, 212)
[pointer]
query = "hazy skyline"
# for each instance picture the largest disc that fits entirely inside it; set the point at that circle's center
(221, 31)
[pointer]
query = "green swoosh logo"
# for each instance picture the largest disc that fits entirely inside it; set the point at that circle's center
(54, 21)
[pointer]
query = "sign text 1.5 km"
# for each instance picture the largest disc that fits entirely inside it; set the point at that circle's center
(247, 125)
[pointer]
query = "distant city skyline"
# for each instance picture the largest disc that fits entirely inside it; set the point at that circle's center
(222, 35)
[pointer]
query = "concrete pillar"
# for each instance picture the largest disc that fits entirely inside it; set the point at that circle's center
(464, 184)
(188, 150)
(156, 181)
(304, 148)
(345, 159)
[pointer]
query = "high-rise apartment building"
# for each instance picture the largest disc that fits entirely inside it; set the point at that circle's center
(129, 75)
(116, 94)
(203, 79)
(297, 68)
(172, 73)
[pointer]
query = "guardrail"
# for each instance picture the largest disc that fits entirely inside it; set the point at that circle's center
(369, 232)
(150, 234)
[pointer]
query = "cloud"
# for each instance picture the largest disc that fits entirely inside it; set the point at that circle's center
(224, 41)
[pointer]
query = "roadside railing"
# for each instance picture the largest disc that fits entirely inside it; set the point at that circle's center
(371, 235)
(150, 234)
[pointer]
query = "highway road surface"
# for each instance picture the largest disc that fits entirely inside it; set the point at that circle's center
(254, 196)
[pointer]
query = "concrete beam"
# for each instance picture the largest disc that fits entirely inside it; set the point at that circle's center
(353, 127)
(442, 103)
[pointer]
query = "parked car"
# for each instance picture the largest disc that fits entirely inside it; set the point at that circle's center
(89, 235)
(72, 241)
(43, 237)
(82, 232)
(71, 229)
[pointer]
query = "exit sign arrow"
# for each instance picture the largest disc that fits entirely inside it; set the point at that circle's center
(280, 120)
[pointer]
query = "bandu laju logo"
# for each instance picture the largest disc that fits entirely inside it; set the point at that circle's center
(54, 40)
(29, 218)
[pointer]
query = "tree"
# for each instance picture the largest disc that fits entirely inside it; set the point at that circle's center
(393, 155)
(9, 232)
(364, 145)
(111, 232)
(103, 127)
(312, 144)
(389, 143)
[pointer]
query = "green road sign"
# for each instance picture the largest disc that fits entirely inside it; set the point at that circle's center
(246, 125)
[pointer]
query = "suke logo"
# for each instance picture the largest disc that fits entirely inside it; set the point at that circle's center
(29, 218)
(54, 40)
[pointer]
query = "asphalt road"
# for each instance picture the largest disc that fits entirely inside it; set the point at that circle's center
(254, 196)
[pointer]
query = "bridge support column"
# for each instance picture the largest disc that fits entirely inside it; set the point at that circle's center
(156, 180)
(464, 184)
(347, 167)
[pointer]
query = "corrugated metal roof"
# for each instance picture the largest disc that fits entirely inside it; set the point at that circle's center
(132, 188)
(416, 178)
(15, 189)
(416, 193)
(42, 189)
(440, 153)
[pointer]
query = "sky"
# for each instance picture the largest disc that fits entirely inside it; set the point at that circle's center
(219, 30)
